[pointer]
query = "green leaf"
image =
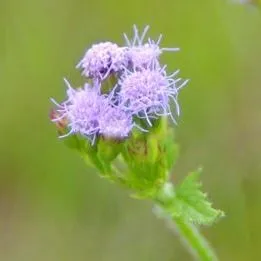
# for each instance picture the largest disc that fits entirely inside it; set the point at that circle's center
(191, 204)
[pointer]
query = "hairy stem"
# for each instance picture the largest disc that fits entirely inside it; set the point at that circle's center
(193, 240)
(189, 234)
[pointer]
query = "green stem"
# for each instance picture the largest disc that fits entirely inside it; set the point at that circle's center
(193, 240)
(189, 234)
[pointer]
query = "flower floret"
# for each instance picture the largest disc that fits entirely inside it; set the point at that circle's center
(102, 59)
(147, 93)
(141, 53)
(115, 123)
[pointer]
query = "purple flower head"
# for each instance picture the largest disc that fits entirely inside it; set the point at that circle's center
(144, 55)
(90, 113)
(115, 123)
(102, 59)
(82, 110)
(147, 93)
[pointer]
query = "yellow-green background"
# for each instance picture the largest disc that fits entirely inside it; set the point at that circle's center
(52, 207)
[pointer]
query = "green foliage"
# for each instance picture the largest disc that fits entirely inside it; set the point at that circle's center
(147, 160)
(146, 173)
(191, 204)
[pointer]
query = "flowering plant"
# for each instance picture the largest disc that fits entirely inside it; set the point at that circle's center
(119, 123)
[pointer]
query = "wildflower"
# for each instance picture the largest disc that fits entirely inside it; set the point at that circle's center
(147, 93)
(144, 55)
(102, 59)
(82, 110)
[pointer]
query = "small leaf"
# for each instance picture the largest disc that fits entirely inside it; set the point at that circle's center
(191, 204)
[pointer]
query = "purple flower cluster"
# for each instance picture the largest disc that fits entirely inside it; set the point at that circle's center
(143, 89)
(91, 113)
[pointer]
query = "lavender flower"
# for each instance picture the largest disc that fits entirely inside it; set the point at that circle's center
(115, 123)
(144, 55)
(102, 59)
(142, 89)
(82, 110)
(90, 113)
(147, 93)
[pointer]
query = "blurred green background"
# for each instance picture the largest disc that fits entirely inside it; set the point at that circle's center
(51, 206)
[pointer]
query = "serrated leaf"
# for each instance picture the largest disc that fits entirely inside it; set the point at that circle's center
(191, 204)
